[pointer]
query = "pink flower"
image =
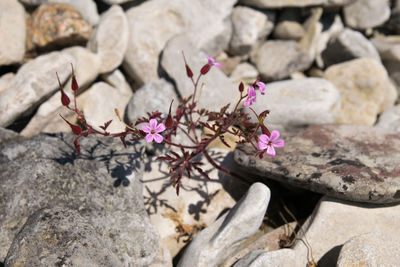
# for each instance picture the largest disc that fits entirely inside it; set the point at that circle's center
(251, 96)
(153, 130)
(270, 143)
(261, 86)
(211, 62)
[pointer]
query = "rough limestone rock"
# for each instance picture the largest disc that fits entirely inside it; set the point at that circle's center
(364, 14)
(59, 236)
(12, 32)
(349, 45)
(282, 3)
(373, 249)
(289, 30)
(357, 163)
(53, 175)
(215, 243)
(207, 24)
(249, 27)
(33, 83)
(390, 119)
(298, 102)
(6, 81)
(217, 91)
(110, 38)
(276, 60)
(332, 223)
(364, 85)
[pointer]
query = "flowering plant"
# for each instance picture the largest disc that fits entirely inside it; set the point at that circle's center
(159, 129)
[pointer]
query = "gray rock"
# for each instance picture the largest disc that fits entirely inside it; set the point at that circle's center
(217, 91)
(364, 14)
(260, 258)
(357, 163)
(373, 249)
(365, 90)
(390, 119)
(289, 30)
(332, 223)
(249, 27)
(393, 24)
(244, 72)
(313, 29)
(12, 32)
(276, 60)
(34, 82)
(59, 236)
(156, 95)
(298, 102)
(6, 134)
(110, 38)
(53, 175)
(282, 3)
(215, 243)
(6, 81)
(348, 45)
(207, 24)
(117, 80)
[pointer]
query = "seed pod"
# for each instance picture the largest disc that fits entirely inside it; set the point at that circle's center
(241, 87)
(205, 69)
(74, 84)
(64, 98)
(189, 72)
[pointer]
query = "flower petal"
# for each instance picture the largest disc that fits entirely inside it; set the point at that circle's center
(149, 138)
(264, 138)
(251, 91)
(153, 124)
(274, 135)
(279, 143)
(271, 151)
(158, 138)
(247, 102)
(261, 86)
(211, 60)
(146, 128)
(262, 145)
(217, 64)
(160, 128)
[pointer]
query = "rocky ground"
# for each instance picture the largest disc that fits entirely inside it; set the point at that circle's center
(329, 197)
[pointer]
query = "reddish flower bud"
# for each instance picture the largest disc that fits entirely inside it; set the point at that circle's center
(205, 69)
(74, 85)
(189, 72)
(75, 128)
(64, 98)
(241, 87)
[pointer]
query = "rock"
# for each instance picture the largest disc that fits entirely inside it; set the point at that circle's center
(32, 84)
(332, 223)
(244, 72)
(249, 28)
(153, 96)
(200, 202)
(364, 14)
(390, 119)
(313, 28)
(86, 68)
(228, 63)
(163, 258)
(110, 39)
(209, 98)
(6, 134)
(289, 30)
(56, 25)
(6, 81)
(348, 45)
(393, 25)
(99, 102)
(374, 249)
(276, 60)
(115, 2)
(215, 243)
(59, 236)
(352, 162)
(12, 32)
(191, 17)
(53, 175)
(298, 102)
(260, 258)
(266, 242)
(363, 85)
(117, 79)
(281, 3)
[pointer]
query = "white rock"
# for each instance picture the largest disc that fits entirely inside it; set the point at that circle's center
(298, 102)
(215, 243)
(6, 81)
(110, 38)
(115, 2)
(12, 32)
(260, 258)
(364, 14)
(363, 84)
(390, 119)
(289, 30)
(373, 249)
(249, 27)
(244, 72)
(282, 3)
(46, 119)
(313, 28)
(206, 22)
(34, 82)
(117, 79)
(217, 91)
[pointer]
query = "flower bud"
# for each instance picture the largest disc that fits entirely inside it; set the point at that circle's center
(64, 98)
(74, 84)
(241, 87)
(75, 128)
(189, 72)
(205, 69)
